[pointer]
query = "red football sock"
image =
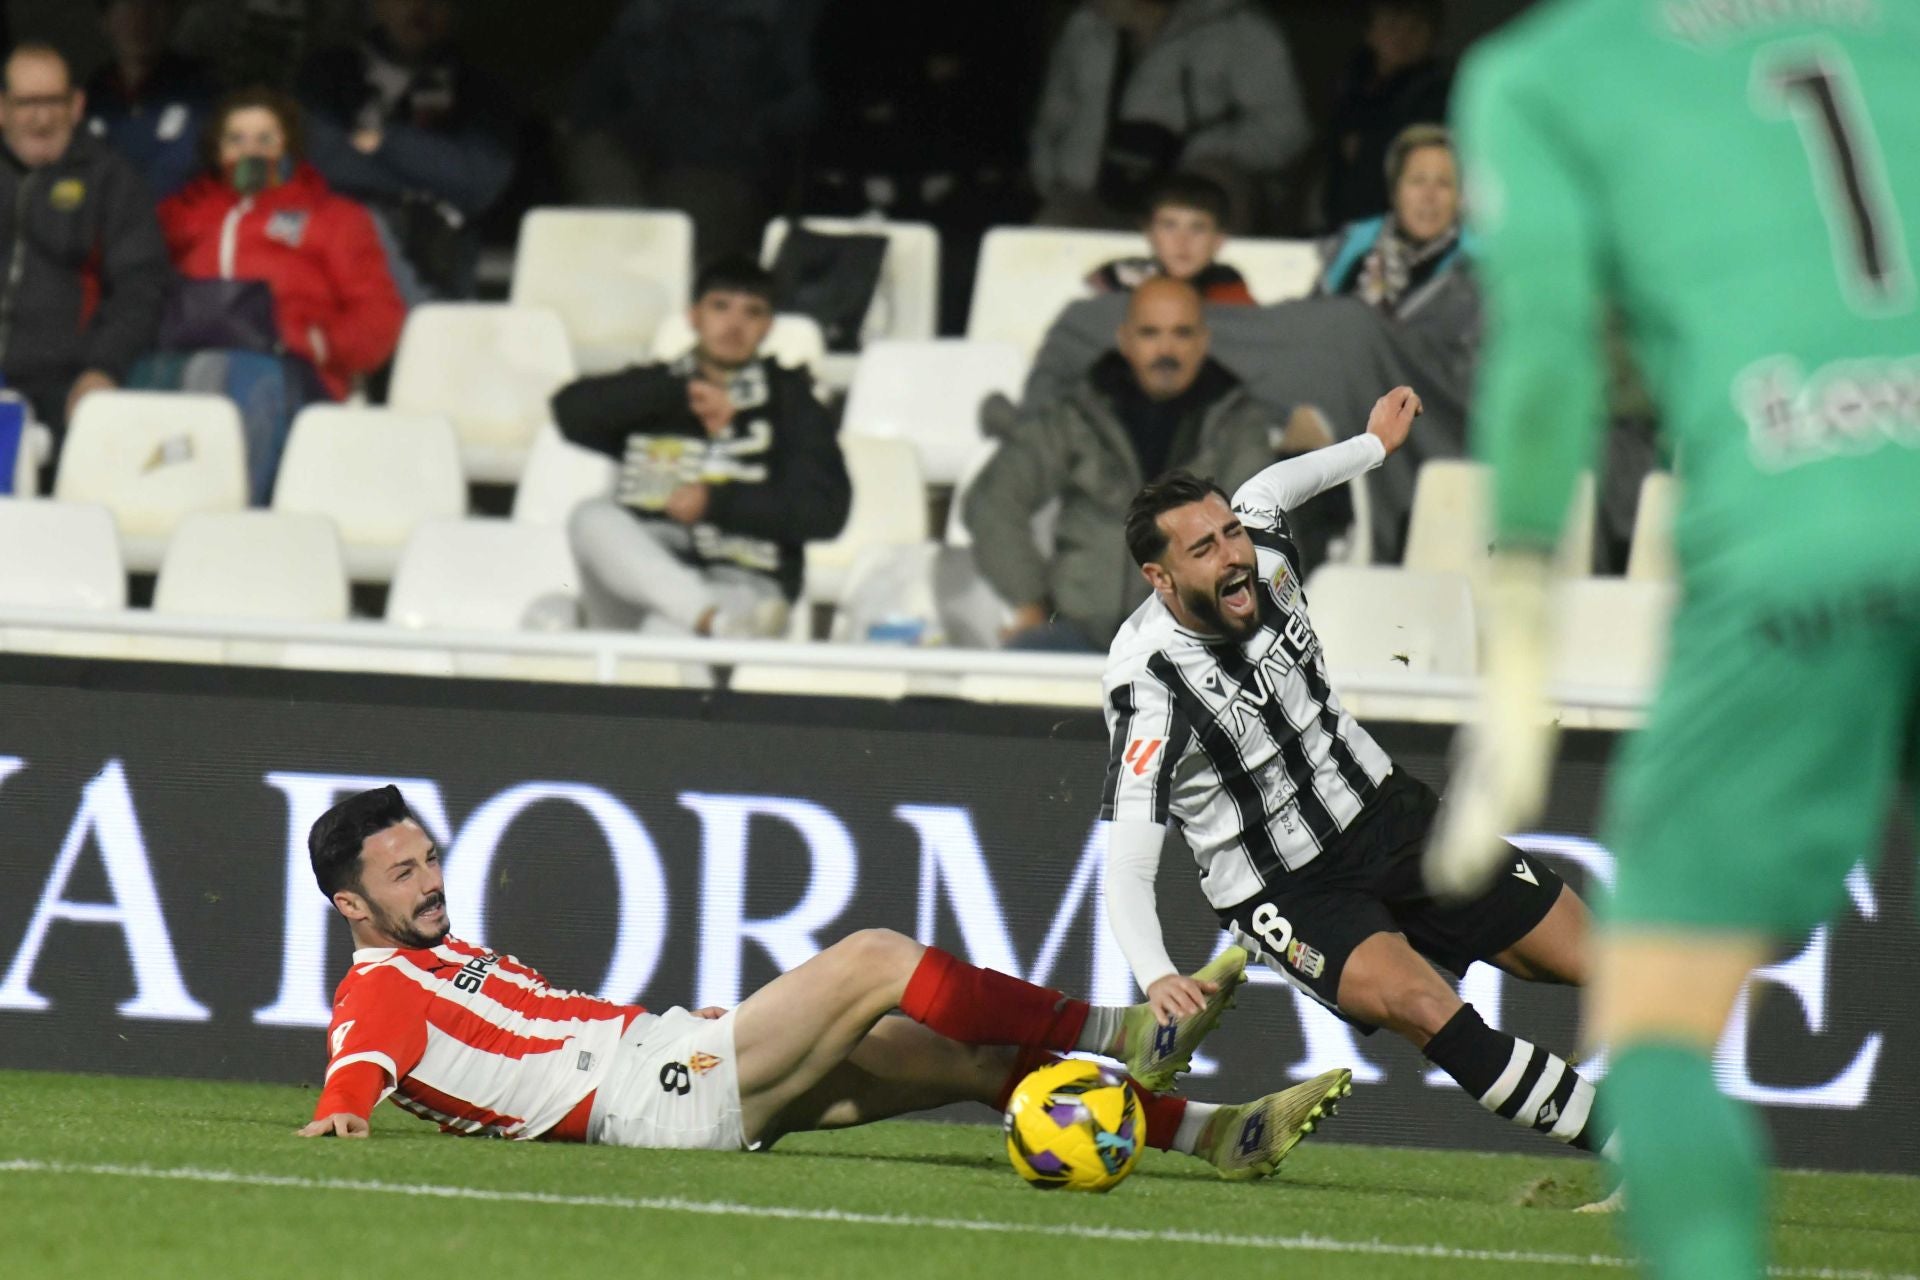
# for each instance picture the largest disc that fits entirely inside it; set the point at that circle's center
(981, 1006)
(1162, 1111)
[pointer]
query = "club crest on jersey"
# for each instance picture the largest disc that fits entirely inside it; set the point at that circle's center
(701, 1063)
(1285, 585)
(288, 226)
(1140, 754)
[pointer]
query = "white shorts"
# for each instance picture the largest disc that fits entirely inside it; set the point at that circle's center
(674, 1083)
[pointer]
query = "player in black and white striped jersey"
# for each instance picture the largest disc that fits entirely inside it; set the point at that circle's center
(1309, 841)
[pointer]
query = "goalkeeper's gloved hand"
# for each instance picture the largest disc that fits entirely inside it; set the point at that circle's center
(1501, 759)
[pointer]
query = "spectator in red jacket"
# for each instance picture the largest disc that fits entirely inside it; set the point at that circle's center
(263, 213)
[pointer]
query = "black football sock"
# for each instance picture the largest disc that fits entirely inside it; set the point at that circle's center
(1518, 1081)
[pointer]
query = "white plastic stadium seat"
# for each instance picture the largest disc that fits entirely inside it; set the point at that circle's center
(491, 370)
(1027, 275)
(377, 473)
(254, 564)
(1651, 558)
(35, 445)
(1385, 621)
(59, 555)
(906, 303)
(612, 275)
(560, 476)
(1276, 270)
(153, 457)
(794, 340)
(1610, 634)
(1449, 529)
(889, 509)
(928, 393)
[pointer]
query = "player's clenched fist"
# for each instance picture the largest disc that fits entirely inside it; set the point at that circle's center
(1392, 416)
(1174, 997)
(341, 1124)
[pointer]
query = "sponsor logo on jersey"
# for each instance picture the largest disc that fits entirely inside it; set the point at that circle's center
(584, 1062)
(701, 1063)
(1140, 754)
(1305, 959)
(473, 974)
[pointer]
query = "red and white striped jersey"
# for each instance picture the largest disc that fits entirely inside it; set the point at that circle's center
(474, 1041)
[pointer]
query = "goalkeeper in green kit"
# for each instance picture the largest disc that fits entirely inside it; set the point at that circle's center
(1737, 179)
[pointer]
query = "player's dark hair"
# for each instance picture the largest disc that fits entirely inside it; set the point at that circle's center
(734, 274)
(333, 844)
(1190, 191)
(1146, 540)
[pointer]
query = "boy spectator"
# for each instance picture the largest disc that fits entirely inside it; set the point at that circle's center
(1157, 402)
(405, 125)
(1185, 229)
(147, 102)
(729, 466)
(82, 301)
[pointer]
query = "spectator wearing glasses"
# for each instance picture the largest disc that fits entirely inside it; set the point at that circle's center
(82, 300)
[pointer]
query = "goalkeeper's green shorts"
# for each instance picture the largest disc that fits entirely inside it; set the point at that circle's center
(1768, 762)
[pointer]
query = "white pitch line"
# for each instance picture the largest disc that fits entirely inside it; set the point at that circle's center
(729, 1209)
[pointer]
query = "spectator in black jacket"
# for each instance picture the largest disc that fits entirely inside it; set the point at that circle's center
(403, 124)
(146, 101)
(81, 301)
(1396, 80)
(729, 465)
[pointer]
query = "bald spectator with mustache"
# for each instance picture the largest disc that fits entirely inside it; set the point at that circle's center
(1155, 402)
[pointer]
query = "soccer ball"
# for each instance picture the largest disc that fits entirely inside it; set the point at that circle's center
(1072, 1124)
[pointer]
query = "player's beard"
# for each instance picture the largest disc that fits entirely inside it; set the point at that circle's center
(1203, 606)
(408, 932)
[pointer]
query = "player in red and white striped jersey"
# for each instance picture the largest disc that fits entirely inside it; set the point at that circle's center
(481, 1044)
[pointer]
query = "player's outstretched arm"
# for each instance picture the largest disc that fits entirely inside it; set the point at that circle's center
(341, 1124)
(1288, 483)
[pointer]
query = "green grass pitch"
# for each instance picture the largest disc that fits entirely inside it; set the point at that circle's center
(104, 1177)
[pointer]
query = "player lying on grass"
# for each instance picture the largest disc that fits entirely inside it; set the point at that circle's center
(481, 1044)
(1308, 839)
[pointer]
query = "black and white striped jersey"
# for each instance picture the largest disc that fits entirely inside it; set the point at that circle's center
(1243, 744)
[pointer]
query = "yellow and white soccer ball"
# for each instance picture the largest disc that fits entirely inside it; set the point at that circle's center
(1072, 1124)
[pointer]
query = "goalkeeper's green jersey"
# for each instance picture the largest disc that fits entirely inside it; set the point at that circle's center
(1740, 179)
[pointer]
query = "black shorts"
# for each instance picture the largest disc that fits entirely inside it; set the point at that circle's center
(1305, 925)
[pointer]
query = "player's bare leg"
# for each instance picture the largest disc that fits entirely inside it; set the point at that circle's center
(1387, 983)
(1556, 949)
(901, 1066)
(1658, 1003)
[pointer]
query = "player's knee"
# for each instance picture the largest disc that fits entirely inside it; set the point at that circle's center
(1419, 1014)
(880, 953)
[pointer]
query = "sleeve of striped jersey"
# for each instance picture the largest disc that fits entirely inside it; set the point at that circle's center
(1537, 254)
(1148, 734)
(1288, 483)
(380, 1021)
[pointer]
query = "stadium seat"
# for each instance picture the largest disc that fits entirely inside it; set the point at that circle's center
(377, 473)
(1276, 270)
(907, 302)
(1448, 531)
(1610, 634)
(1650, 558)
(559, 477)
(928, 393)
(919, 594)
(1027, 275)
(491, 370)
(152, 458)
(795, 341)
(889, 509)
(478, 575)
(254, 564)
(612, 275)
(60, 555)
(35, 445)
(1386, 622)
